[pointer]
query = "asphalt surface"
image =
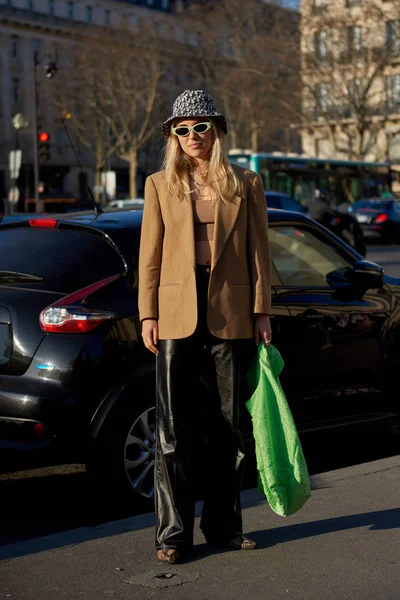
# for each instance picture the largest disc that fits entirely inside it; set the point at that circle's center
(386, 256)
(39, 497)
(343, 544)
(59, 539)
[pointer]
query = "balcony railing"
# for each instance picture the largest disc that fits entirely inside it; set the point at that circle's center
(317, 9)
(313, 60)
(340, 112)
(385, 53)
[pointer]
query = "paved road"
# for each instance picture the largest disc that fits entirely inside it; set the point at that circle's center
(39, 499)
(343, 544)
(45, 500)
(386, 256)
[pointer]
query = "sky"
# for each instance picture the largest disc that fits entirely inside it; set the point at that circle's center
(293, 4)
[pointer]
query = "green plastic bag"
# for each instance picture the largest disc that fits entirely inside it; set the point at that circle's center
(282, 469)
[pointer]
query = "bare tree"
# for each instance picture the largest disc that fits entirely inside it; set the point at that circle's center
(351, 93)
(115, 97)
(77, 100)
(247, 51)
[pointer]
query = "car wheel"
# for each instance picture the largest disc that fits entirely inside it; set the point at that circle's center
(139, 454)
(123, 454)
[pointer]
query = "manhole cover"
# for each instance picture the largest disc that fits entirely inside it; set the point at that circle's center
(163, 578)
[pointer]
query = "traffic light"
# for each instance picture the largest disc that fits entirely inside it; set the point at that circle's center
(44, 146)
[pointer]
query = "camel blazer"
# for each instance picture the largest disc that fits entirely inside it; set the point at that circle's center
(240, 269)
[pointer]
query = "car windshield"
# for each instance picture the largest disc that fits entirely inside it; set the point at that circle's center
(64, 260)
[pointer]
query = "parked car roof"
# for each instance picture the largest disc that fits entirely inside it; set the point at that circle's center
(116, 217)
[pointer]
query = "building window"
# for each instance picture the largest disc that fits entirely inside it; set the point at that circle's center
(393, 93)
(322, 99)
(89, 14)
(14, 46)
(355, 38)
(166, 4)
(393, 36)
(355, 90)
(150, 2)
(29, 4)
(36, 46)
(50, 7)
(320, 44)
(15, 90)
(70, 10)
(107, 17)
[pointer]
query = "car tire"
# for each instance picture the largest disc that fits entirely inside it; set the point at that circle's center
(121, 458)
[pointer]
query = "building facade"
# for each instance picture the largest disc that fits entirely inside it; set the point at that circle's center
(351, 79)
(34, 35)
(38, 43)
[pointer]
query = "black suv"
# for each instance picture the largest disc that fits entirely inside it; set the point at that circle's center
(72, 365)
(74, 371)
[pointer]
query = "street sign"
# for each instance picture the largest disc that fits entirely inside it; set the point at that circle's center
(109, 180)
(19, 121)
(13, 195)
(14, 163)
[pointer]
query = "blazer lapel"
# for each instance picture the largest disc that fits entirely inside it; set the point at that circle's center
(225, 217)
(181, 213)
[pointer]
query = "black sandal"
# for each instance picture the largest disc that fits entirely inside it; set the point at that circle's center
(241, 542)
(169, 555)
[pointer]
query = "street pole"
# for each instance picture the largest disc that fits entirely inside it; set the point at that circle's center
(35, 138)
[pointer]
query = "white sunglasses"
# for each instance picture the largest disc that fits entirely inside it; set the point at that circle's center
(184, 130)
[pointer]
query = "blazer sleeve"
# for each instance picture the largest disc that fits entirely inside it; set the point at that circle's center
(258, 247)
(150, 252)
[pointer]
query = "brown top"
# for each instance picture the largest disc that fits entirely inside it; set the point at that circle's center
(203, 217)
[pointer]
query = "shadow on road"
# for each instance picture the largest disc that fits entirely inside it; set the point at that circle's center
(377, 520)
(46, 499)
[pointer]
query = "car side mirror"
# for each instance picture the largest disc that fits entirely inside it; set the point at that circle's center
(367, 274)
(364, 275)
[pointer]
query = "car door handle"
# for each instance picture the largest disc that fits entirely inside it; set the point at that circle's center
(312, 316)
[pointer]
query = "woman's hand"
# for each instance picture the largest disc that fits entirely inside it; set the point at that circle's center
(262, 330)
(150, 334)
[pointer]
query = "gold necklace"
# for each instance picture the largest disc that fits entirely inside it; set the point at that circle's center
(202, 173)
(199, 184)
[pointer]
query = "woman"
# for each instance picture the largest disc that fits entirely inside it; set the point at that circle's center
(204, 299)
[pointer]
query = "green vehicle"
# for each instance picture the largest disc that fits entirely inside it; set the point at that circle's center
(345, 180)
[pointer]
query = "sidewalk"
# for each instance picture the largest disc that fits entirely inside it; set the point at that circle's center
(344, 544)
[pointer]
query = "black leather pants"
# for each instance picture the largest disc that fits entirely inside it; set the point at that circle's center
(199, 448)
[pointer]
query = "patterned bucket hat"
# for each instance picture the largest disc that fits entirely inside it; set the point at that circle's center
(193, 103)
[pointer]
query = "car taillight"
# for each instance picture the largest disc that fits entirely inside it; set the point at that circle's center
(381, 218)
(44, 223)
(64, 317)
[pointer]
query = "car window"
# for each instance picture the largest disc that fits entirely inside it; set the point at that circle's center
(66, 260)
(273, 201)
(290, 204)
(303, 258)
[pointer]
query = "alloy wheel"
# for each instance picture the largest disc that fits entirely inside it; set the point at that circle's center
(139, 453)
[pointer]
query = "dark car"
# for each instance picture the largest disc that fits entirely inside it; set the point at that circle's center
(74, 371)
(340, 223)
(283, 202)
(379, 218)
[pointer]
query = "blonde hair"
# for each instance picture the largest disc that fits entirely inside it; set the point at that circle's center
(221, 177)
